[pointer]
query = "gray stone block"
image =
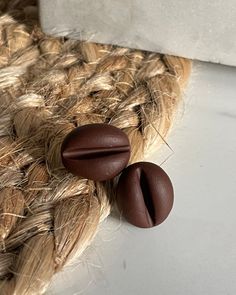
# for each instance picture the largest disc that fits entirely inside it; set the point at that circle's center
(203, 29)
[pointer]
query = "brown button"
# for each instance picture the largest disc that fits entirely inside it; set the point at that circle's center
(145, 194)
(96, 151)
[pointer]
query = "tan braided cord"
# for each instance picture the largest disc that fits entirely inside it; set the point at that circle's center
(48, 86)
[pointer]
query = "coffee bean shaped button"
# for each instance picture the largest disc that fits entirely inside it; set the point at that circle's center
(145, 194)
(96, 151)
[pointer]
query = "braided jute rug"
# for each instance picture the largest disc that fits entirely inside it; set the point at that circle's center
(48, 86)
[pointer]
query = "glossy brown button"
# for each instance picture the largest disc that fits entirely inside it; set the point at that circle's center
(145, 194)
(96, 151)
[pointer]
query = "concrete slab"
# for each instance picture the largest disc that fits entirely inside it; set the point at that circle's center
(203, 30)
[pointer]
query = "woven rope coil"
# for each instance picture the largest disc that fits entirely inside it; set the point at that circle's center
(48, 86)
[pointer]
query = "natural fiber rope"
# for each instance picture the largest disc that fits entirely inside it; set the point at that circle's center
(49, 86)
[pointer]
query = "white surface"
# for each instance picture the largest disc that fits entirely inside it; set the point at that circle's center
(194, 251)
(202, 29)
